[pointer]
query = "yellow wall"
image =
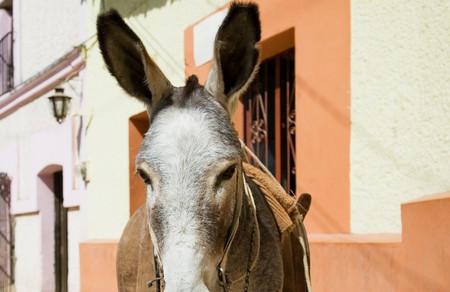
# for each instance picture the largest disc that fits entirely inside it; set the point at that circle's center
(400, 145)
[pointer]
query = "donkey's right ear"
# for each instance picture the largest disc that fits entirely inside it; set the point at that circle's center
(236, 54)
(128, 61)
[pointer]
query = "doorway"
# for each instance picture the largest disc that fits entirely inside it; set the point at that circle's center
(54, 230)
(60, 234)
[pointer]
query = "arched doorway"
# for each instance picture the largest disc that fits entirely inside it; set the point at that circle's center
(54, 240)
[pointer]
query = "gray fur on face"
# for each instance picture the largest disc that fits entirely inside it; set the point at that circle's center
(187, 142)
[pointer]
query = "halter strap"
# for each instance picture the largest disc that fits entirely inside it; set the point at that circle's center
(224, 281)
(234, 227)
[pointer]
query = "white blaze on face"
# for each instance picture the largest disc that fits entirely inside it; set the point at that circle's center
(183, 269)
(180, 148)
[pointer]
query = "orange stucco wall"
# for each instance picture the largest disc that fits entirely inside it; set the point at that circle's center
(355, 264)
(137, 127)
(98, 266)
(321, 36)
(416, 261)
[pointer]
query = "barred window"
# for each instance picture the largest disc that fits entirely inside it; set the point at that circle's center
(269, 117)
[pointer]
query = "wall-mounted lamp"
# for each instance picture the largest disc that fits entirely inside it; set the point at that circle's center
(60, 104)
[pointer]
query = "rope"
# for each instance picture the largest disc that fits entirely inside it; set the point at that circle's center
(258, 162)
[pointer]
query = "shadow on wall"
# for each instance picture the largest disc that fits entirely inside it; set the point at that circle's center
(132, 7)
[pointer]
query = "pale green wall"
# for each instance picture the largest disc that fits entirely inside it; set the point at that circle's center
(161, 26)
(400, 138)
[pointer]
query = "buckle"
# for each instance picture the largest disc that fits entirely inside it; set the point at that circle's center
(151, 282)
(222, 277)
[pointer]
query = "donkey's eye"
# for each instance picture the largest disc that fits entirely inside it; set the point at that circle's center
(228, 173)
(144, 176)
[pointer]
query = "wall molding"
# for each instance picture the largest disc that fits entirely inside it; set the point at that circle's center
(64, 68)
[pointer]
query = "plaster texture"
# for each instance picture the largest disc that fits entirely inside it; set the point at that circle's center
(28, 256)
(400, 108)
(5, 23)
(74, 236)
(46, 30)
(160, 25)
(46, 205)
(34, 258)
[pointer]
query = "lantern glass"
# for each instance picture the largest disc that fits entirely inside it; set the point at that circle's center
(60, 104)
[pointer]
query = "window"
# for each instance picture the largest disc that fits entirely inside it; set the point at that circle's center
(6, 242)
(6, 49)
(269, 117)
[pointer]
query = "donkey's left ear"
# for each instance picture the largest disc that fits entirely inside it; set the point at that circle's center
(236, 54)
(128, 61)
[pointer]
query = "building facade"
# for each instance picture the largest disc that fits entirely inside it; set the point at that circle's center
(351, 105)
(40, 157)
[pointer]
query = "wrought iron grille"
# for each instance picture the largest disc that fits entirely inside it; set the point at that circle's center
(6, 63)
(6, 242)
(269, 117)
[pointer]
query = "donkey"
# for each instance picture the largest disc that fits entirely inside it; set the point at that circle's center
(210, 226)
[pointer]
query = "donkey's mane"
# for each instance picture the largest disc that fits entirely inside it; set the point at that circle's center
(191, 85)
(179, 97)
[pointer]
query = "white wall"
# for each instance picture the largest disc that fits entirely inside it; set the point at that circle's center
(5, 22)
(30, 138)
(46, 31)
(400, 139)
(73, 227)
(27, 252)
(46, 203)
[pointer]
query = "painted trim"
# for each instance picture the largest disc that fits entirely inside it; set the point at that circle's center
(33, 213)
(345, 238)
(427, 198)
(68, 66)
(322, 70)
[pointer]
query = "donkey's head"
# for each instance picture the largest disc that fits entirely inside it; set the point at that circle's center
(190, 158)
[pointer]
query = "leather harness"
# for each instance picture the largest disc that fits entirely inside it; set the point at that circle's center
(224, 280)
